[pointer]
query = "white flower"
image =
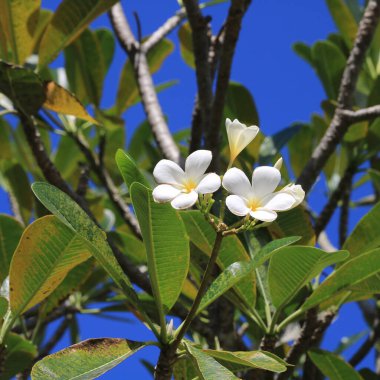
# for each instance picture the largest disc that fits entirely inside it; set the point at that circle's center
(239, 136)
(181, 188)
(258, 198)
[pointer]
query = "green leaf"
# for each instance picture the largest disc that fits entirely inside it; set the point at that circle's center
(19, 355)
(184, 369)
(107, 44)
(240, 104)
(225, 281)
(208, 368)
(329, 63)
(249, 359)
(202, 235)
(350, 273)
(22, 86)
(129, 170)
(10, 234)
(186, 44)
(293, 222)
(86, 63)
(3, 307)
(375, 178)
(18, 20)
(71, 214)
(272, 145)
(68, 22)
(58, 99)
(86, 360)
(344, 20)
(291, 268)
(45, 254)
(332, 366)
(266, 252)
(365, 235)
(16, 183)
(304, 51)
(298, 157)
(131, 246)
(166, 243)
(127, 92)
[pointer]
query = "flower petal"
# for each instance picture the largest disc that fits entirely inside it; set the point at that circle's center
(296, 191)
(280, 201)
(246, 136)
(165, 193)
(237, 205)
(236, 182)
(264, 215)
(265, 179)
(168, 172)
(209, 184)
(239, 136)
(184, 200)
(197, 163)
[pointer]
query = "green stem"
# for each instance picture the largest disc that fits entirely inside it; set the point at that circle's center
(9, 319)
(201, 292)
(289, 319)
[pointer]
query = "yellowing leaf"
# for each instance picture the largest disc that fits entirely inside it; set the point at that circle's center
(58, 99)
(18, 21)
(86, 360)
(46, 252)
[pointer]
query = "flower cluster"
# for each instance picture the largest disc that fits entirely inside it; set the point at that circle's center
(257, 199)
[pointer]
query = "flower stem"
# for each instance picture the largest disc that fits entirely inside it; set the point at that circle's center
(202, 290)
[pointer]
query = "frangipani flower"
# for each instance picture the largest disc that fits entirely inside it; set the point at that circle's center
(239, 136)
(182, 188)
(258, 198)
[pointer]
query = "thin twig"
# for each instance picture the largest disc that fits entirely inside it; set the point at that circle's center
(344, 213)
(331, 205)
(235, 16)
(367, 345)
(201, 45)
(340, 122)
(325, 243)
(57, 336)
(170, 24)
(152, 108)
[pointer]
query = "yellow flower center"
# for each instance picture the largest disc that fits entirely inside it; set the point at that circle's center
(189, 185)
(253, 204)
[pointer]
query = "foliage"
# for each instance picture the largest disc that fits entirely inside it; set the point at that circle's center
(90, 218)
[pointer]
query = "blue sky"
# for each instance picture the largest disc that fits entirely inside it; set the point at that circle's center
(285, 90)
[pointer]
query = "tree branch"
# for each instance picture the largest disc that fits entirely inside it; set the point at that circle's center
(170, 24)
(47, 167)
(235, 16)
(201, 44)
(362, 115)
(312, 331)
(152, 108)
(196, 122)
(366, 347)
(340, 122)
(331, 205)
(105, 178)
